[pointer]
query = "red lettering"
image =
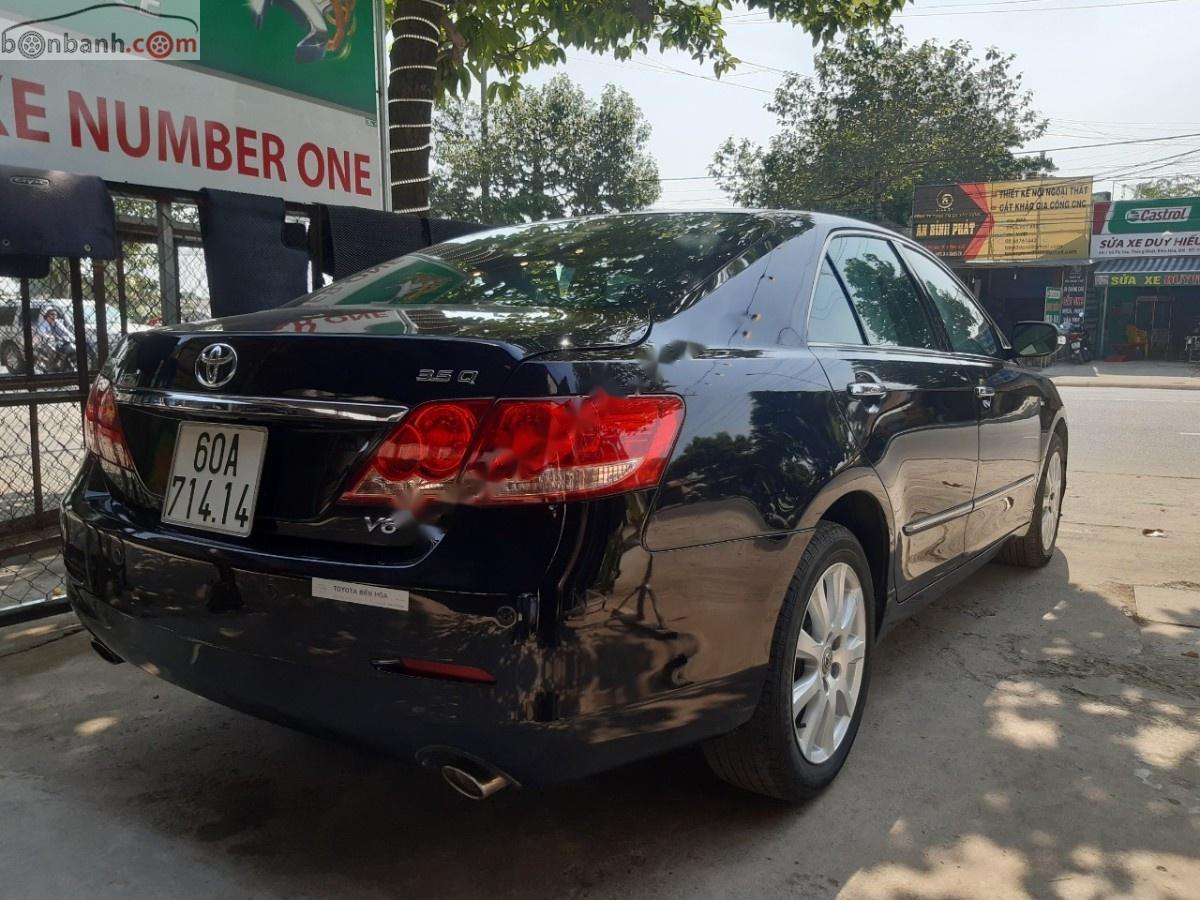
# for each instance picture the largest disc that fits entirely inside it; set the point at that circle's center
(181, 144)
(246, 154)
(23, 110)
(307, 151)
(81, 117)
(362, 174)
(217, 157)
(143, 146)
(339, 170)
(273, 156)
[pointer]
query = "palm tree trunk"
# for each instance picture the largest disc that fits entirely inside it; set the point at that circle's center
(416, 32)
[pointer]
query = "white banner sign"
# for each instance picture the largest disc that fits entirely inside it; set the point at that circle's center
(173, 126)
(1108, 246)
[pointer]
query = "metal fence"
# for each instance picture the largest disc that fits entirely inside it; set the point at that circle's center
(159, 277)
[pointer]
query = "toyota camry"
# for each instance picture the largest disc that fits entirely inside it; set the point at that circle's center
(546, 499)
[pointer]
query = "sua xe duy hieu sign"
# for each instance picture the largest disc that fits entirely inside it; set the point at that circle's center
(1133, 228)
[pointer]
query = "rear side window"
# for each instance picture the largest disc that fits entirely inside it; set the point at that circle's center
(967, 326)
(889, 308)
(831, 320)
(651, 263)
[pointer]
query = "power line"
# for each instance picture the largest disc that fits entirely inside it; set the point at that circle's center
(991, 12)
(1169, 137)
(767, 20)
(665, 69)
(1149, 140)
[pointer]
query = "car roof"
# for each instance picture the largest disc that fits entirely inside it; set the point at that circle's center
(822, 220)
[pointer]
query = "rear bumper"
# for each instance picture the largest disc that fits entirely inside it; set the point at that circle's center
(601, 684)
(404, 716)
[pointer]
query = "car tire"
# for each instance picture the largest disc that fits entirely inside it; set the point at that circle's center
(12, 359)
(772, 754)
(1036, 547)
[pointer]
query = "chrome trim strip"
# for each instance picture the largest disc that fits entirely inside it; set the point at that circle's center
(963, 509)
(260, 407)
(999, 493)
(937, 519)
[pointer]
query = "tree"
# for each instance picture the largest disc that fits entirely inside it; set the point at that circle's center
(1168, 188)
(550, 152)
(880, 116)
(440, 46)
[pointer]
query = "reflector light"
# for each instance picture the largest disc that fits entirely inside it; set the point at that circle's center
(429, 668)
(102, 432)
(541, 450)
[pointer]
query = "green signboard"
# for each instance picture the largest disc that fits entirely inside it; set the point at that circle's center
(318, 49)
(1053, 305)
(1153, 216)
(1150, 279)
(1138, 228)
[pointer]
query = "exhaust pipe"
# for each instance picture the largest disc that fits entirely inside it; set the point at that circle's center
(105, 654)
(472, 786)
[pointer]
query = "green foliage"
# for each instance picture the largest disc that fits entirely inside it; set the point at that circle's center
(1168, 188)
(880, 116)
(511, 39)
(507, 40)
(550, 152)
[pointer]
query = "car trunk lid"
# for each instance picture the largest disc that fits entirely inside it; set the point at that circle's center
(328, 387)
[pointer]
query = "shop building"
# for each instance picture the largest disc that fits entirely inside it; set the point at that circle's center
(1021, 246)
(1147, 276)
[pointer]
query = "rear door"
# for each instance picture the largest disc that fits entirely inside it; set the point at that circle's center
(1010, 406)
(909, 403)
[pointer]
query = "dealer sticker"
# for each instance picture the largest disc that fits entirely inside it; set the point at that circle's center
(367, 594)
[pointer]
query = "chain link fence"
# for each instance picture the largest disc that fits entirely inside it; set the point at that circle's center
(159, 277)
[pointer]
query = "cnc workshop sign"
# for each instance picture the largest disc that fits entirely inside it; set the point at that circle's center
(273, 97)
(1039, 219)
(1131, 228)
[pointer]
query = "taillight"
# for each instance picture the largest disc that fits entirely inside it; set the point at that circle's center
(421, 459)
(572, 448)
(102, 432)
(522, 451)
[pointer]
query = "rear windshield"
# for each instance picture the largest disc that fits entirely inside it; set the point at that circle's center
(648, 262)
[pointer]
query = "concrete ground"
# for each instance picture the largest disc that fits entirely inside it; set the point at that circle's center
(1026, 736)
(1138, 374)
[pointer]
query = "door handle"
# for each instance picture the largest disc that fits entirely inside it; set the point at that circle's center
(865, 389)
(983, 392)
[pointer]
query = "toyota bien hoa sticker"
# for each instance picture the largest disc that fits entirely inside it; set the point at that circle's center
(366, 594)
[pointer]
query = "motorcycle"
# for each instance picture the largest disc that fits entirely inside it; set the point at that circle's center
(1192, 347)
(1079, 346)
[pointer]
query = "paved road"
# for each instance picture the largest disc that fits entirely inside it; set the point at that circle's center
(1134, 430)
(1026, 736)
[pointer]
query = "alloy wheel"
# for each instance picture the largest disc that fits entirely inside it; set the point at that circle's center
(1051, 500)
(830, 653)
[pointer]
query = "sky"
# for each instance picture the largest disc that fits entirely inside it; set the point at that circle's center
(1100, 70)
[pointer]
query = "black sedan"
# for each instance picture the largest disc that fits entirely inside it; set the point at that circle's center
(543, 500)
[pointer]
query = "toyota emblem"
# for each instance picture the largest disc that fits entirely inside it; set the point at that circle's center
(216, 365)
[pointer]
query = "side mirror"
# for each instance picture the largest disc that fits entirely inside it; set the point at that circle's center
(1034, 339)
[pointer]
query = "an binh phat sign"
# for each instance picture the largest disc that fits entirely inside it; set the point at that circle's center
(1133, 228)
(283, 102)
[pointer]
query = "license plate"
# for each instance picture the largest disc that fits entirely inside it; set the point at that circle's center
(214, 477)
